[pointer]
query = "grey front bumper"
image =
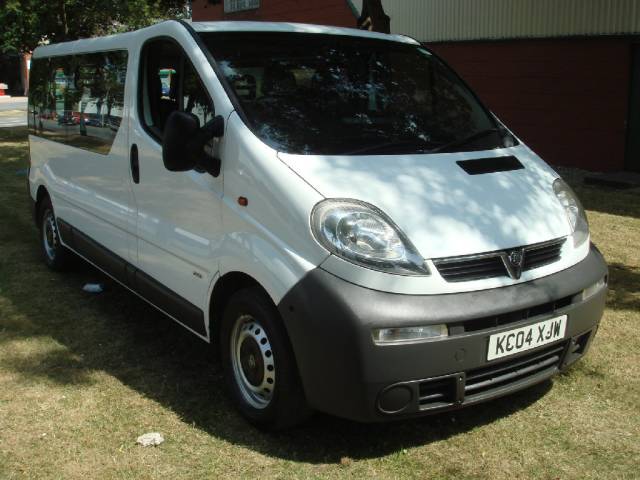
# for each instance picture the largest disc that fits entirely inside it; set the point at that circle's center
(344, 373)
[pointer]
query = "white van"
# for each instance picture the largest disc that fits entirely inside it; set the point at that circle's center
(334, 208)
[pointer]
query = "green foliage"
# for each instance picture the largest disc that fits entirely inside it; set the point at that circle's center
(25, 24)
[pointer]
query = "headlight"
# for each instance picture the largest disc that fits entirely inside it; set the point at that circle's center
(382, 336)
(575, 213)
(362, 234)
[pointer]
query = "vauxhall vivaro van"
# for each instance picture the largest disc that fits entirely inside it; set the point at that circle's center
(334, 208)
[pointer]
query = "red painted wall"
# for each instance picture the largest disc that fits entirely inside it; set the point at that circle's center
(567, 99)
(332, 12)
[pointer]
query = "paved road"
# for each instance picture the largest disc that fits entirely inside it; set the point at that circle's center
(13, 111)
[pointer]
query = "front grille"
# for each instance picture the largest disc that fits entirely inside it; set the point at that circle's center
(538, 256)
(487, 379)
(486, 323)
(472, 269)
(462, 388)
(438, 392)
(496, 264)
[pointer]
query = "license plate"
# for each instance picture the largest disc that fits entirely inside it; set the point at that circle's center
(525, 338)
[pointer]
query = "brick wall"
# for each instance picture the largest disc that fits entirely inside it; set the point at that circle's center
(567, 99)
(332, 12)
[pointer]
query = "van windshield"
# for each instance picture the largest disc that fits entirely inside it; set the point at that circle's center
(339, 95)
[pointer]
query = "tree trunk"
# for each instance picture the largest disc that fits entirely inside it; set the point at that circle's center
(373, 17)
(63, 18)
(25, 58)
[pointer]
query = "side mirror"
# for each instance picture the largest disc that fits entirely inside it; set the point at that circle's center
(184, 140)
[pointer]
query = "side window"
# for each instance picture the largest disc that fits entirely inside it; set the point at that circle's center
(170, 83)
(161, 82)
(38, 114)
(78, 100)
(195, 98)
(97, 101)
(61, 95)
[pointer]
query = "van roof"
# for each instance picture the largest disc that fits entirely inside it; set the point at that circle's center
(239, 26)
(125, 40)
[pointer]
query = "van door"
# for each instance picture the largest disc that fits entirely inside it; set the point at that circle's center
(88, 167)
(179, 213)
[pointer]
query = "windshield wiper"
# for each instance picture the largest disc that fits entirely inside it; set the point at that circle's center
(463, 141)
(420, 147)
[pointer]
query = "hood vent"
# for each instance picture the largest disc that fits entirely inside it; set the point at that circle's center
(490, 165)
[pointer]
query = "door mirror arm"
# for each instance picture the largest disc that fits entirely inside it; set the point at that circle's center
(214, 128)
(210, 164)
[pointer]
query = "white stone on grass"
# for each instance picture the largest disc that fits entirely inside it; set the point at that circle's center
(151, 439)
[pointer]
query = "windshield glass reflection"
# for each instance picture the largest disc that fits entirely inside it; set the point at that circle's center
(328, 94)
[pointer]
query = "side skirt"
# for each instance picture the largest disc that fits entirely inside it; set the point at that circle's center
(132, 278)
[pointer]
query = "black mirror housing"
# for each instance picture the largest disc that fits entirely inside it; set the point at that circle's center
(184, 141)
(179, 130)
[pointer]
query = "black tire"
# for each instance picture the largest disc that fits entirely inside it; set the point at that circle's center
(251, 315)
(56, 256)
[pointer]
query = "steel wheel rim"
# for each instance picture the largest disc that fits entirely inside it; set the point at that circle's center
(50, 234)
(253, 363)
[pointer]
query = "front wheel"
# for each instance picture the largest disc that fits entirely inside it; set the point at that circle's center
(259, 366)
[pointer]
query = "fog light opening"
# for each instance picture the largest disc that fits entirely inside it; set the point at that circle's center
(395, 399)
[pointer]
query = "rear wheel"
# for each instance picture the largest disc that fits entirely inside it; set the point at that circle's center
(56, 256)
(259, 366)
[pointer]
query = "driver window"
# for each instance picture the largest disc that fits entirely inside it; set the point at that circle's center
(171, 83)
(195, 98)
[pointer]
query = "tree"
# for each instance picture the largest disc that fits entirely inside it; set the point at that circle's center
(373, 17)
(25, 24)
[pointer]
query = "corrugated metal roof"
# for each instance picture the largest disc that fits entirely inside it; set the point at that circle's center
(441, 20)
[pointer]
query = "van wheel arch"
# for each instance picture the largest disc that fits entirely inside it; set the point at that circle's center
(223, 290)
(42, 194)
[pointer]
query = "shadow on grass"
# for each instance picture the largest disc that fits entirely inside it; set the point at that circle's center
(624, 287)
(610, 200)
(119, 334)
(59, 365)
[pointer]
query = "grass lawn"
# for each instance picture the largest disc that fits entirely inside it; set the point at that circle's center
(81, 376)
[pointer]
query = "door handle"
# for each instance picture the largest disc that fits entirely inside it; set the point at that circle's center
(135, 165)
